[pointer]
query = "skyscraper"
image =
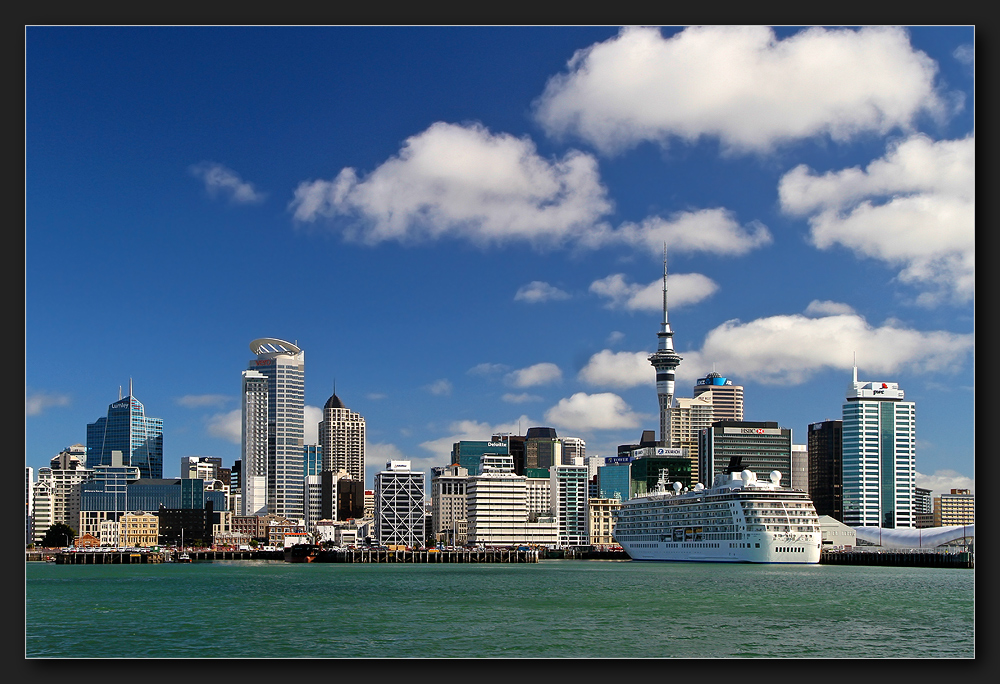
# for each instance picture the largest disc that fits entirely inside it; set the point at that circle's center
(879, 455)
(726, 398)
(665, 361)
(825, 445)
(762, 446)
(281, 364)
(342, 439)
(127, 429)
(254, 440)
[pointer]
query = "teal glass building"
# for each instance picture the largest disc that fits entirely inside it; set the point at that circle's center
(127, 429)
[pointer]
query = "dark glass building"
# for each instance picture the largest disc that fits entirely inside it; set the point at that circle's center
(762, 445)
(825, 444)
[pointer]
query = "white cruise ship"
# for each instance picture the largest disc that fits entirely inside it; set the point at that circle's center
(739, 519)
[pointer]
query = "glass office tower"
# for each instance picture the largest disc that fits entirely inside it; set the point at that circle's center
(879, 457)
(127, 429)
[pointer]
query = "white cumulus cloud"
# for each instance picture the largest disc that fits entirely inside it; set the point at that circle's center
(220, 180)
(462, 181)
(532, 376)
(36, 403)
(914, 209)
(943, 481)
(790, 348)
(227, 426)
(682, 289)
(621, 370)
(715, 231)
(538, 291)
(741, 85)
(440, 388)
(584, 412)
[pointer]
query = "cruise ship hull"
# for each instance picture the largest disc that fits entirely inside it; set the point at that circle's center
(738, 520)
(804, 550)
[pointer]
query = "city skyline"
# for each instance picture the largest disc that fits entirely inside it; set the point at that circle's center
(464, 227)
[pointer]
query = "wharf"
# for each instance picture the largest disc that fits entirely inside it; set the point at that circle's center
(101, 557)
(911, 558)
(407, 556)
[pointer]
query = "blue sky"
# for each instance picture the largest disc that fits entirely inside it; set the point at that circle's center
(463, 227)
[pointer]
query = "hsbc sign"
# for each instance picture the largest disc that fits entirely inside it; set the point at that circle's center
(751, 431)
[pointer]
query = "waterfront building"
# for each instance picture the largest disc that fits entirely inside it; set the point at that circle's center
(312, 494)
(370, 503)
(835, 533)
(825, 444)
(399, 505)
(187, 526)
(104, 496)
(688, 418)
(342, 438)
(600, 520)
(648, 463)
(956, 508)
(283, 366)
(201, 467)
(174, 493)
(763, 446)
(278, 527)
(138, 529)
(312, 459)
(449, 501)
(127, 429)
(542, 448)
(798, 478)
(498, 510)
(923, 507)
(468, 453)
(614, 479)
(538, 494)
(726, 398)
(343, 497)
(879, 456)
(254, 444)
(572, 449)
(568, 484)
(665, 360)
(56, 494)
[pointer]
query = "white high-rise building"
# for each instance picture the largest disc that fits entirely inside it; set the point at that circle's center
(56, 494)
(253, 473)
(726, 398)
(687, 421)
(342, 437)
(879, 455)
(498, 507)
(283, 365)
(399, 505)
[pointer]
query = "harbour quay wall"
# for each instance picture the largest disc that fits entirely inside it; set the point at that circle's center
(912, 558)
(489, 555)
(94, 557)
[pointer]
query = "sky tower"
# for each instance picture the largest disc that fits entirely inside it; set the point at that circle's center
(665, 361)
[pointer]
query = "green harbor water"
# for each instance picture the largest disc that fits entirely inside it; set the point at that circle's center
(552, 609)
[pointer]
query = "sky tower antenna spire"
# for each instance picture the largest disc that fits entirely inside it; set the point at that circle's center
(665, 361)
